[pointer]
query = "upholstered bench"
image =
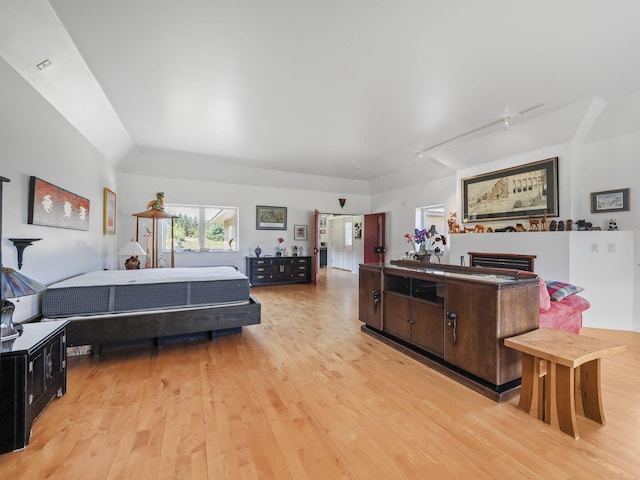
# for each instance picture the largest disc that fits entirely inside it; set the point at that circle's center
(562, 310)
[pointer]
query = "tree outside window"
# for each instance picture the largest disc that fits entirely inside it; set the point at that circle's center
(218, 235)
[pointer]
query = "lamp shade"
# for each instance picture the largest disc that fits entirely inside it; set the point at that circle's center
(131, 248)
(14, 284)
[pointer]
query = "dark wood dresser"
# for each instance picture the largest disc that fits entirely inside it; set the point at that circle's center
(278, 270)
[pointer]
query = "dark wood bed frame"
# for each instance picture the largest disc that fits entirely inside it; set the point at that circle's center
(161, 327)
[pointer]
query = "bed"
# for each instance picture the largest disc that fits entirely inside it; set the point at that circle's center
(116, 306)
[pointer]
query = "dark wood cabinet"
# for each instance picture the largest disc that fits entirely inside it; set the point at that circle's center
(456, 317)
(34, 371)
(397, 315)
(413, 311)
(370, 295)
(278, 270)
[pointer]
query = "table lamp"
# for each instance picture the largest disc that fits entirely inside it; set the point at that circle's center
(13, 285)
(132, 250)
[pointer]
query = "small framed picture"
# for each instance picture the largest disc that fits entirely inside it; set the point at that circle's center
(271, 218)
(300, 232)
(610, 201)
(109, 214)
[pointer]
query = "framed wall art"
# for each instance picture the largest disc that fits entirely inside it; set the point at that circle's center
(271, 218)
(300, 232)
(610, 201)
(518, 192)
(53, 206)
(109, 213)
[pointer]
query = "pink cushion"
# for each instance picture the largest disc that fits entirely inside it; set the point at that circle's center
(565, 315)
(545, 299)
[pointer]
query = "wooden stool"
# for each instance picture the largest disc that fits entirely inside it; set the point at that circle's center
(557, 364)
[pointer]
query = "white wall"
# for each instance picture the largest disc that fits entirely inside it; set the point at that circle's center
(400, 206)
(137, 190)
(36, 140)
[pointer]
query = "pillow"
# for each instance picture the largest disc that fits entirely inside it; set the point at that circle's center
(544, 298)
(561, 290)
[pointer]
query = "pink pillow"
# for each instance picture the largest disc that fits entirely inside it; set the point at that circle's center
(543, 293)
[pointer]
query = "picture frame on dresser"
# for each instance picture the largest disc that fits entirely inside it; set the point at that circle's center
(610, 201)
(271, 218)
(529, 190)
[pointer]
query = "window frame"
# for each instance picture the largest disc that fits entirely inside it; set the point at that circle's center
(232, 229)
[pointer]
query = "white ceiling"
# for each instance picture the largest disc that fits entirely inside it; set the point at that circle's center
(339, 88)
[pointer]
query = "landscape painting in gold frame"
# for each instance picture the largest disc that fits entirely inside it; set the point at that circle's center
(529, 190)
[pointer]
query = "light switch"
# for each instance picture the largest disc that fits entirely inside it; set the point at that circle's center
(611, 247)
(595, 247)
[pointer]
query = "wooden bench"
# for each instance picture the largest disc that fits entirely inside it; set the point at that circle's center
(564, 369)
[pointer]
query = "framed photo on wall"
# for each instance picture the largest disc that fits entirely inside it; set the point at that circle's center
(518, 192)
(610, 201)
(300, 232)
(109, 213)
(271, 218)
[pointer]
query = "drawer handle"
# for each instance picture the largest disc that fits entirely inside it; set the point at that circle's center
(452, 320)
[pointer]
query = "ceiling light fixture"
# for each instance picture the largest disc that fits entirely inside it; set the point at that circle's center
(44, 64)
(505, 120)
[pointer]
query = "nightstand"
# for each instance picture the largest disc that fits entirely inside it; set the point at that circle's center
(33, 371)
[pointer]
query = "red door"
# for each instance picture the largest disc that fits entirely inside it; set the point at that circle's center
(374, 238)
(316, 252)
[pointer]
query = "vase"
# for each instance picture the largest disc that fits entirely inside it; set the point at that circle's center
(258, 251)
(422, 257)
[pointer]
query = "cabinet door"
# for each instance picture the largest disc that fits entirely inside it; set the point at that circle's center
(471, 341)
(428, 326)
(282, 269)
(370, 297)
(397, 315)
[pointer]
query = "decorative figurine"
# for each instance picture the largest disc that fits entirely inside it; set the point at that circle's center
(583, 225)
(157, 203)
(454, 226)
(613, 225)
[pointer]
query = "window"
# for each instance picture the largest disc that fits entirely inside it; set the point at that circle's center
(432, 215)
(218, 235)
(348, 233)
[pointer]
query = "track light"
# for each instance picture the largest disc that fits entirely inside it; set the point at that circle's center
(504, 120)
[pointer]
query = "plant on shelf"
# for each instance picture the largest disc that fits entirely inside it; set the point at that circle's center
(279, 247)
(426, 243)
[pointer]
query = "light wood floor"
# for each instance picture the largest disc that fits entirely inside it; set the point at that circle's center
(306, 395)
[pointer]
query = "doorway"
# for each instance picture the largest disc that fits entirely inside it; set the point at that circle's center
(340, 241)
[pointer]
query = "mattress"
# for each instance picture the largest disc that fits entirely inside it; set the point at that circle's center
(120, 291)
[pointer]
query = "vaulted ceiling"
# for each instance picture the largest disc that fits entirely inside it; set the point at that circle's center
(339, 88)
